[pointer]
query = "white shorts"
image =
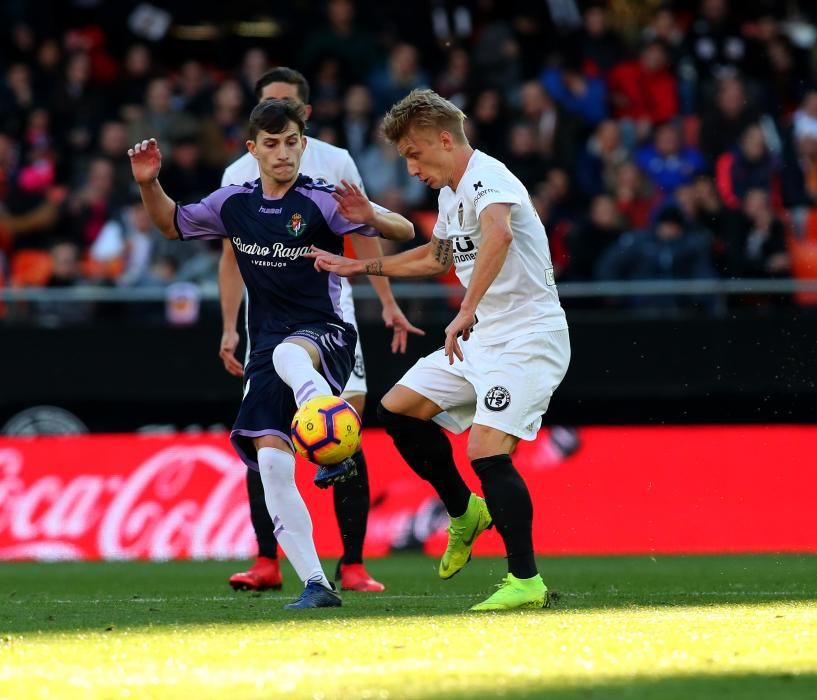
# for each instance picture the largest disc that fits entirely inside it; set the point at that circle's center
(357, 379)
(506, 386)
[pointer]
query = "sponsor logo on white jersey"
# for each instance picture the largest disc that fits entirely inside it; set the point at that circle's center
(481, 191)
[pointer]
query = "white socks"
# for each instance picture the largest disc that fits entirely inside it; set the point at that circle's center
(293, 526)
(294, 365)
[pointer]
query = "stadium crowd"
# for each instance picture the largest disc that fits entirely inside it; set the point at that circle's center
(658, 140)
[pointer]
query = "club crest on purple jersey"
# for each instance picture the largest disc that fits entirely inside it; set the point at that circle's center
(296, 225)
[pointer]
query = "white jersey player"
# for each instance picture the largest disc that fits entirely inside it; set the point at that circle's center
(505, 352)
(520, 303)
(320, 161)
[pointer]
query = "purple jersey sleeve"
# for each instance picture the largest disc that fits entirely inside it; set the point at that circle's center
(203, 219)
(337, 223)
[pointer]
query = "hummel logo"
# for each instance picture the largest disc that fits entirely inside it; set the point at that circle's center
(477, 185)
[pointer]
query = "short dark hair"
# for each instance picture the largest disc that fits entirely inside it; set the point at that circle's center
(274, 115)
(282, 74)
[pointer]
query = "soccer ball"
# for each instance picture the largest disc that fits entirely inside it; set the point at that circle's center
(326, 430)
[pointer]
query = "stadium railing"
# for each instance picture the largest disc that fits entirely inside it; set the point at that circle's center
(567, 290)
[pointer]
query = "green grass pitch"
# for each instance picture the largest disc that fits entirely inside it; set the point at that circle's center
(685, 628)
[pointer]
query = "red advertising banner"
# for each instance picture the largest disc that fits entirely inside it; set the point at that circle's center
(608, 490)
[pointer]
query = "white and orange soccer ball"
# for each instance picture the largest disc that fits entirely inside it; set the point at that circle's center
(326, 430)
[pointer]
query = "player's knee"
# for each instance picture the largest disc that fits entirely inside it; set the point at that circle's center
(486, 442)
(279, 352)
(280, 355)
(388, 401)
(478, 449)
(420, 442)
(356, 401)
(393, 423)
(291, 353)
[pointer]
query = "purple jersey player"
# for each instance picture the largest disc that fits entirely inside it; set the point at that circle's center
(300, 344)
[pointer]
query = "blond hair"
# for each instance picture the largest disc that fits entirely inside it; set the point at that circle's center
(424, 108)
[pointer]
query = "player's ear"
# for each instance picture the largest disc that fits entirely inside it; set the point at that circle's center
(307, 112)
(251, 148)
(303, 142)
(446, 140)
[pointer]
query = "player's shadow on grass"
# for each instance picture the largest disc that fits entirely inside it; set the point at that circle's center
(96, 596)
(780, 686)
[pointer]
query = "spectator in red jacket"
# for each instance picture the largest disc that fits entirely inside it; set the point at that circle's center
(634, 196)
(644, 91)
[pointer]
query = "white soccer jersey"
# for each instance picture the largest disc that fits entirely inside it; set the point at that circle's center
(523, 297)
(320, 161)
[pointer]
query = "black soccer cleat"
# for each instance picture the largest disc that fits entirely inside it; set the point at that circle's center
(329, 474)
(316, 596)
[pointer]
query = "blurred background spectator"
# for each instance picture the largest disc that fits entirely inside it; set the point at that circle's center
(611, 113)
(668, 250)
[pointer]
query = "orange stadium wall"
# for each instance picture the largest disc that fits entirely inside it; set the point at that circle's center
(644, 490)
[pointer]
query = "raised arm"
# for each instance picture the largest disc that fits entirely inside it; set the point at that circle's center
(230, 293)
(433, 258)
(355, 206)
(145, 163)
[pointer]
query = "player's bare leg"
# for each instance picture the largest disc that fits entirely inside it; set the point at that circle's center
(407, 416)
(352, 501)
(511, 507)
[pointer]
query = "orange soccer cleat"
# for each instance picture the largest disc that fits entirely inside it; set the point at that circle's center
(354, 577)
(263, 575)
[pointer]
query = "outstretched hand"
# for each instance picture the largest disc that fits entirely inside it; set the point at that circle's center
(352, 203)
(394, 318)
(460, 327)
(145, 161)
(328, 262)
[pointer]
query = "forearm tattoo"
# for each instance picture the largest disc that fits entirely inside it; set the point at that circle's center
(442, 252)
(375, 267)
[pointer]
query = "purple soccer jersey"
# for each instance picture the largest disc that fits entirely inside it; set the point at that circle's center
(270, 238)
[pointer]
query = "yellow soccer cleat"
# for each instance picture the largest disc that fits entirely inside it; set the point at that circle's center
(516, 593)
(462, 533)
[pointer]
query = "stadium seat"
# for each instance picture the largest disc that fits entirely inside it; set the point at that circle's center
(30, 268)
(102, 269)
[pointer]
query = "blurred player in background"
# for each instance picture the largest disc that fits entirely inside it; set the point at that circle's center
(331, 164)
(301, 346)
(505, 352)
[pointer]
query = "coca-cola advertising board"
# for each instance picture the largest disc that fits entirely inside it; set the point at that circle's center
(604, 490)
